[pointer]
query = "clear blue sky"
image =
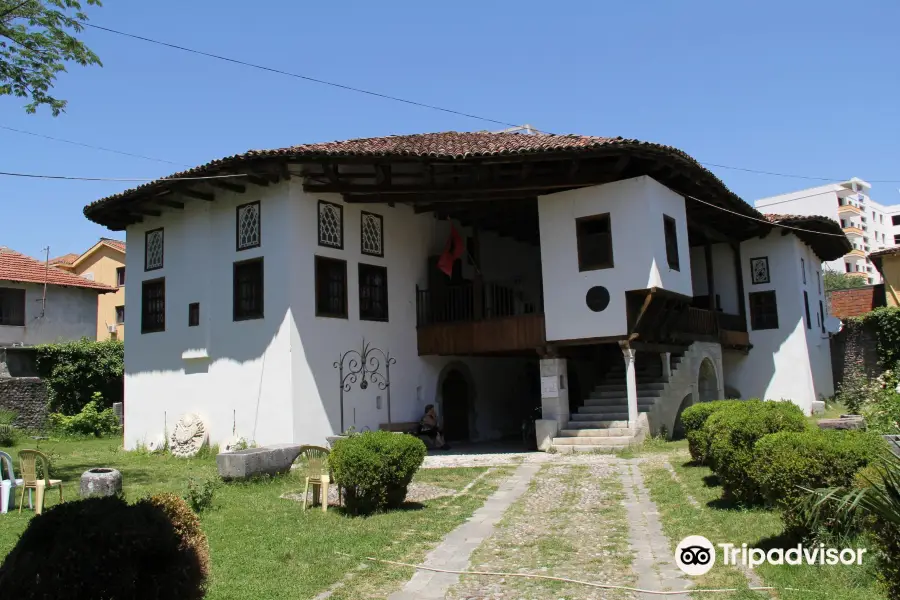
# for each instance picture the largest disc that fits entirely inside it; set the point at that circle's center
(797, 87)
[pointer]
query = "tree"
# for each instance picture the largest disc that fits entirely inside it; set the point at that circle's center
(37, 39)
(835, 280)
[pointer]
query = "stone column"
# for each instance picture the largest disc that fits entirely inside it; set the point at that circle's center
(554, 401)
(666, 358)
(630, 385)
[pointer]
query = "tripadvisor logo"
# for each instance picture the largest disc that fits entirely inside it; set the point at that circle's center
(696, 555)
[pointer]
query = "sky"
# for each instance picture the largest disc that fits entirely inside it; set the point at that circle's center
(800, 87)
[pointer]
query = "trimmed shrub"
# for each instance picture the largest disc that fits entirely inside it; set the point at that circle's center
(105, 548)
(734, 431)
(187, 527)
(73, 371)
(786, 463)
(89, 421)
(883, 529)
(374, 468)
(693, 418)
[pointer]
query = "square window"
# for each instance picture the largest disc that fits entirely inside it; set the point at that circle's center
(120, 276)
(671, 231)
(759, 269)
(331, 287)
(822, 313)
(247, 223)
(806, 305)
(153, 249)
(763, 310)
(153, 306)
(248, 290)
(373, 293)
(120, 315)
(803, 270)
(12, 307)
(331, 225)
(372, 234)
(594, 238)
(193, 314)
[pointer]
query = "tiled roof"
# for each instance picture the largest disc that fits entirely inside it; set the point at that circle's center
(894, 251)
(65, 259)
(24, 269)
(827, 247)
(116, 244)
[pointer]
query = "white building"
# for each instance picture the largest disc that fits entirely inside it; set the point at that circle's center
(279, 302)
(41, 304)
(869, 226)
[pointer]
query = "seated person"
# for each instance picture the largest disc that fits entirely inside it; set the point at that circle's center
(428, 427)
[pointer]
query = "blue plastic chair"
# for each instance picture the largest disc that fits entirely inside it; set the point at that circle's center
(8, 485)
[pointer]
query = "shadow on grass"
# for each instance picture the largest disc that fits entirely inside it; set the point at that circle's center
(782, 541)
(712, 481)
(728, 504)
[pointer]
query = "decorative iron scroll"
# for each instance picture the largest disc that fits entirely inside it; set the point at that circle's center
(364, 367)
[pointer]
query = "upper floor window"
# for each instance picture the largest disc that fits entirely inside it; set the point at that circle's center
(895, 219)
(153, 306)
(594, 238)
(153, 249)
(331, 225)
(248, 289)
(803, 269)
(120, 276)
(12, 307)
(331, 287)
(193, 314)
(373, 293)
(806, 305)
(897, 239)
(371, 234)
(120, 315)
(763, 310)
(671, 231)
(248, 226)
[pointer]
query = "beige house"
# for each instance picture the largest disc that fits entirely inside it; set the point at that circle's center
(104, 263)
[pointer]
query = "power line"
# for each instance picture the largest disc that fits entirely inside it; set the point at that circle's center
(757, 171)
(304, 77)
(83, 145)
(767, 222)
(120, 179)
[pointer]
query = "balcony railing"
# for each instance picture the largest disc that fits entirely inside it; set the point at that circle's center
(472, 301)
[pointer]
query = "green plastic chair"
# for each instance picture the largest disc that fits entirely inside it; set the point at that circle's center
(318, 475)
(28, 460)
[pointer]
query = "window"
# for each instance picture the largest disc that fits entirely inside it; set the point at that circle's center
(153, 306)
(763, 310)
(897, 239)
(373, 293)
(153, 250)
(671, 232)
(843, 223)
(881, 219)
(331, 287)
(120, 276)
(806, 304)
(12, 307)
(371, 232)
(331, 225)
(803, 269)
(193, 314)
(847, 267)
(873, 214)
(822, 313)
(594, 239)
(120, 315)
(248, 289)
(819, 282)
(247, 226)
(895, 219)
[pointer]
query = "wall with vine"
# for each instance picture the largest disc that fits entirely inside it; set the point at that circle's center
(73, 371)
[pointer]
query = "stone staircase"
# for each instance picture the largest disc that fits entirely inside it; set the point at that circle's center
(602, 422)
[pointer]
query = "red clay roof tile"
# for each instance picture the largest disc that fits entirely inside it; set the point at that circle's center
(24, 269)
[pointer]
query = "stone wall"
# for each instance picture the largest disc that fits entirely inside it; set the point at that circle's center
(28, 397)
(854, 302)
(855, 348)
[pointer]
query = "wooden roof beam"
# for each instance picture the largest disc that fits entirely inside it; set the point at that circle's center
(169, 203)
(192, 193)
(227, 185)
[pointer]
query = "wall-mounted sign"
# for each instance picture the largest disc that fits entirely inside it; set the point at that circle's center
(549, 387)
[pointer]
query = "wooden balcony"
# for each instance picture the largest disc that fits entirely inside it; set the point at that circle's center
(485, 319)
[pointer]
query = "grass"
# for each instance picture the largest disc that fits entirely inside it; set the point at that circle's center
(721, 523)
(263, 546)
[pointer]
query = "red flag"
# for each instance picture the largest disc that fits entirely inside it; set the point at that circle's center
(452, 250)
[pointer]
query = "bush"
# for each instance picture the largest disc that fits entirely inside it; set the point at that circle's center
(733, 431)
(7, 432)
(885, 320)
(105, 548)
(854, 391)
(882, 411)
(200, 495)
(187, 527)
(89, 421)
(693, 418)
(75, 370)
(786, 463)
(374, 468)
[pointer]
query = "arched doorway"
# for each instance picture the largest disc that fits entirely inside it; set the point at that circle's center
(455, 406)
(707, 382)
(678, 427)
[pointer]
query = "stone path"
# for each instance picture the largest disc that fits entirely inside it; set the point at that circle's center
(654, 563)
(453, 553)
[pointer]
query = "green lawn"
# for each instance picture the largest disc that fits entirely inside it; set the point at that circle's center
(721, 523)
(263, 546)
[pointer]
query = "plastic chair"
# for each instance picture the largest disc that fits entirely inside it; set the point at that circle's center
(318, 475)
(8, 484)
(29, 459)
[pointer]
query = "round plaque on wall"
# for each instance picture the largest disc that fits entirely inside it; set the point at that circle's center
(597, 298)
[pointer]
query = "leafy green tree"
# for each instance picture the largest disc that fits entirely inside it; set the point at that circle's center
(835, 280)
(37, 39)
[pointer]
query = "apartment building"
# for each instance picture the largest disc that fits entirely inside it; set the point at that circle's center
(869, 225)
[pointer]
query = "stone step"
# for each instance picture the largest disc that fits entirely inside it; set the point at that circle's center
(567, 449)
(597, 424)
(641, 385)
(609, 432)
(620, 379)
(606, 415)
(642, 393)
(611, 409)
(592, 441)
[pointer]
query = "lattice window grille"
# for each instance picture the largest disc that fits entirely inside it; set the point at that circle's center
(330, 225)
(372, 234)
(154, 250)
(248, 226)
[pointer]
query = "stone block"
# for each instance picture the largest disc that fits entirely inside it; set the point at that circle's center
(843, 423)
(267, 460)
(545, 430)
(119, 411)
(818, 407)
(100, 482)
(27, 396)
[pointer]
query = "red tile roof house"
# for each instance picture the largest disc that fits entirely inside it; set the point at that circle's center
(606, 283)
(40, 303)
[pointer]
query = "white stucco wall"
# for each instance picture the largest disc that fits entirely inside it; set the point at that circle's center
(636, 207)
(791, 362)
(724, 275)
(70, 314)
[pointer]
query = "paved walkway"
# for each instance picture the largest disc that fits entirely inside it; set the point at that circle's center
(453, 553)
